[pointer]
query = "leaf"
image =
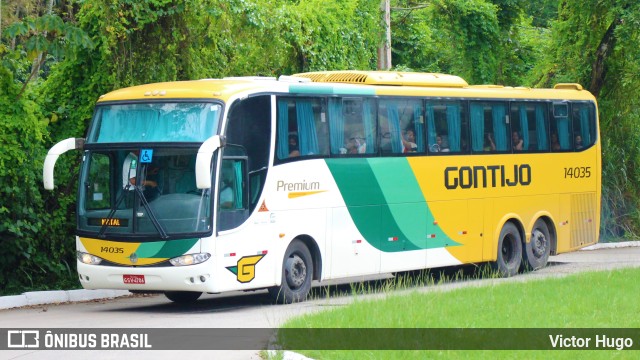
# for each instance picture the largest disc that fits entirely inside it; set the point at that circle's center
(57, 49)
(16, 29)
(37, 43)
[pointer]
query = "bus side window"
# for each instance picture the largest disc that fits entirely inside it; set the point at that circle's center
(358, 128)
(583, 125)
(489, 127)
(301, 128)
(447, 127)
(232, 193)
(231, 185)
(530, 122)
(402, 127)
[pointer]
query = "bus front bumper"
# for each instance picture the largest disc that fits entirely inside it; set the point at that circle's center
(174, 278)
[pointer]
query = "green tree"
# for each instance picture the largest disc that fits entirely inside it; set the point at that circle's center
(24, 252)
(27, 258)
(595, 43)
(482, 41)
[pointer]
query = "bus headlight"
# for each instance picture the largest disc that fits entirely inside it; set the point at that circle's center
(190, 259)
(88, 258)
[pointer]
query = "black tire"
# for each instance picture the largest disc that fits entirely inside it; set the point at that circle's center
(509, 251)
(297, 273)
(537, 250)
(182, 297)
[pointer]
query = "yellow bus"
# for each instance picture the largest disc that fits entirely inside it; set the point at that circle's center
(261, 183)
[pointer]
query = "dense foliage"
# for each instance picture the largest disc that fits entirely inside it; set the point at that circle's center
(58, 57)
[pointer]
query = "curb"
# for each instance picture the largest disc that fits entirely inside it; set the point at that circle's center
(57, 296)
(614, 245)
(61, 296)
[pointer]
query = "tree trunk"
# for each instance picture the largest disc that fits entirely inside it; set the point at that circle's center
(38, 61)
(599, 69)
(13, 41)
(384, 50)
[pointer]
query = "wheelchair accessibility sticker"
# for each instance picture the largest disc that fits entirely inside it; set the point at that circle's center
(146, 155)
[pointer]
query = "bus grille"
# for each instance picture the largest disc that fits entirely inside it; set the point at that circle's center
(583, 221)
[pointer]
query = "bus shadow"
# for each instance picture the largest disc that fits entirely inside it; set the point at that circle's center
(220, 303)
(208, 303)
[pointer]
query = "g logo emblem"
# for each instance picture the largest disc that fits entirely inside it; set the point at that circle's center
(246, 269)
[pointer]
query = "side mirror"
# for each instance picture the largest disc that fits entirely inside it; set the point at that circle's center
(203, 160)
(52, 156)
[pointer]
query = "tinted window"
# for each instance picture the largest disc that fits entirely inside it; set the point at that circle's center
(401, 126)
(584, 129)
(302, 128)
(529, 121)
(447, 127)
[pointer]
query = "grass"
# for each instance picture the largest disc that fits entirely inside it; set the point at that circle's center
(607, 299)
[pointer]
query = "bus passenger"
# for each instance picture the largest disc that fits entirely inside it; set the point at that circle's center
(438, 145)
(356, 144)
(129, 171)
(517, 141)
(130, 168)
(578, 142)
(293, 145)
(409, 144)
(444, 147)
(489, 144)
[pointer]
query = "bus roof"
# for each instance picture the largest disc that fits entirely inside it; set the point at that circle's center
(355, 83)
(195, 89)
(396, 78)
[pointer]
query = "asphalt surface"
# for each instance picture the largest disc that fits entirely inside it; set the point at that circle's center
(92, 308)
(61, 296)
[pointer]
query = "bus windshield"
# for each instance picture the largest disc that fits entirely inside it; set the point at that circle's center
(154, 122)
(144, 192)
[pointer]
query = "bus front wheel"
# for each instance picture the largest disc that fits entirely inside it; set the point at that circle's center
(509, 251)
(297, 273)
(537, 250)
(182, 297)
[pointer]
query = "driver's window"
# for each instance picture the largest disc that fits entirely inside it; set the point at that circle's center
(232, 196)
(232, 193)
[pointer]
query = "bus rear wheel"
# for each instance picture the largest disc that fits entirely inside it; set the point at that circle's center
(537, 250)
(297, 273)
(509, 251)
(182, 297)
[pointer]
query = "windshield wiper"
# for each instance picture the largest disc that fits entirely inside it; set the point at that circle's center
(152, 216)
(145, 203)
(112, 213)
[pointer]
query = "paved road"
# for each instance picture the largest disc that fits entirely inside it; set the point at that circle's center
(240, 310)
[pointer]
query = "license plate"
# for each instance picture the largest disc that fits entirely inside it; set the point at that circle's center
(133, 279)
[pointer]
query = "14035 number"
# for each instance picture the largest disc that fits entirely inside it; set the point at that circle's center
(577, 172)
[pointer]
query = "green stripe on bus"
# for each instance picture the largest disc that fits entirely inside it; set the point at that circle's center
(149, 249)
(386, 204)
(168, 249)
